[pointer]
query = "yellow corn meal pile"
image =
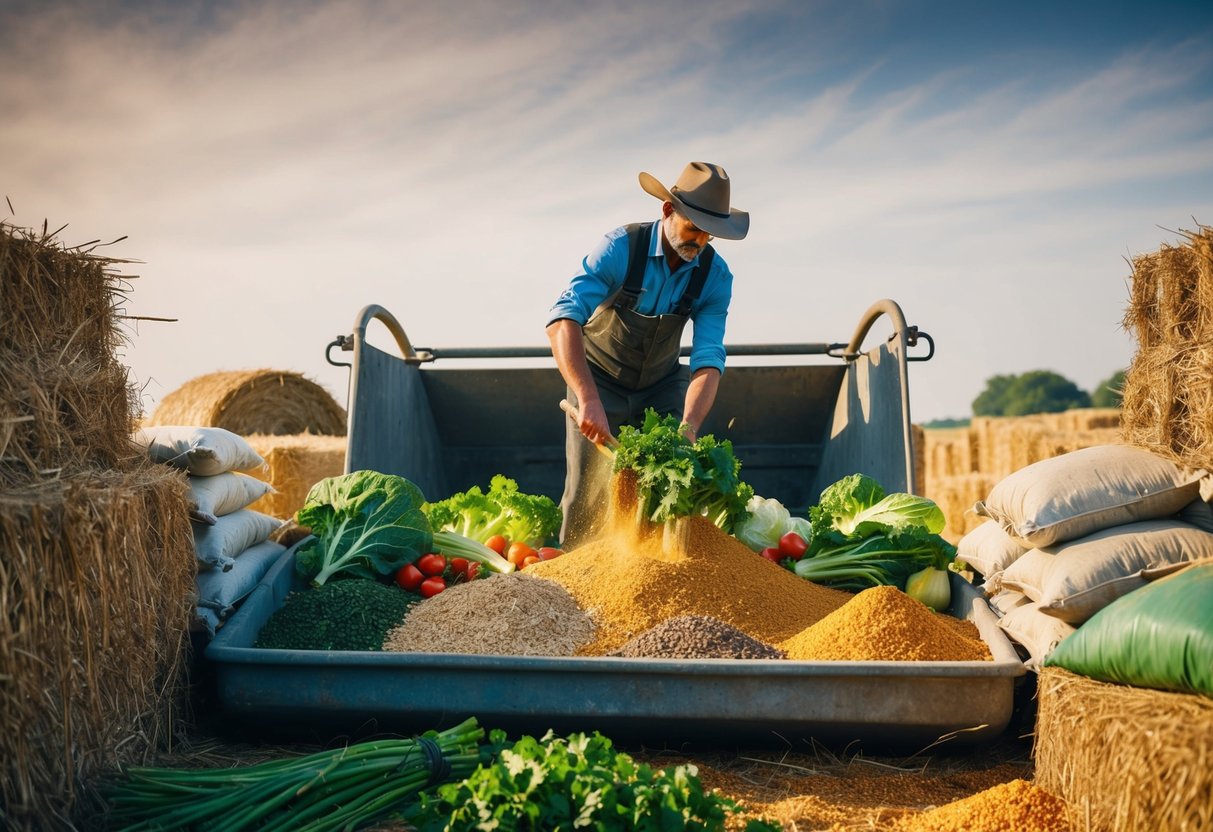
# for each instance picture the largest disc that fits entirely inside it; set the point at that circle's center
(633, 581)
(885, 624)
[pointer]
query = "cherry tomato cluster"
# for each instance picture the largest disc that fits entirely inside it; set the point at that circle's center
(519, 553)
(432, 573)
(791, 547)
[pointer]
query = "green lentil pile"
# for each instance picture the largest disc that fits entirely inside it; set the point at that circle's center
(351, 614)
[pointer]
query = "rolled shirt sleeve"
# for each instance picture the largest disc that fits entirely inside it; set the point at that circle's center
(604, 270)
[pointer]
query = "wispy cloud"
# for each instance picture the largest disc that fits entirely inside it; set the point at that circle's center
(292, 161)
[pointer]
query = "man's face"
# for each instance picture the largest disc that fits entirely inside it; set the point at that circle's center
(686, 238)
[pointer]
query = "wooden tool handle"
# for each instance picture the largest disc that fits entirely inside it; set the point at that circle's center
(574, 414)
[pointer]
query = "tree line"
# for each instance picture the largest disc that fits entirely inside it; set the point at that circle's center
(1039, 391)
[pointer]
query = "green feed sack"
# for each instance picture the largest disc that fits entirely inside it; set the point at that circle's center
(1159, 636)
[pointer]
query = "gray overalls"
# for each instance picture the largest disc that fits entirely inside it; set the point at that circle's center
(633, 358)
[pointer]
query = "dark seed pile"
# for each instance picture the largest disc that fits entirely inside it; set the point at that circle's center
(696, 637)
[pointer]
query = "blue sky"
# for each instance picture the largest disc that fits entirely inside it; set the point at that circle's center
(278, 165)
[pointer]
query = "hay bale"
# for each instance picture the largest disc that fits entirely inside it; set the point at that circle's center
(60, 419)
(65, 402)
(955, 497)
(1126, 758)
(275, 402)
(293, 464)
(96, 573)
(57, 300)
(1168, 396)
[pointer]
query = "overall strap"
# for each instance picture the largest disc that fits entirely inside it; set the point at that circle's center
(640, 237)
(698, 278)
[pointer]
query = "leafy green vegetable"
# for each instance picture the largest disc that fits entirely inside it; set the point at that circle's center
(573, 783)
(768, 521)
(527, 518)
(676, 477)
(352, 614)
(368, 524)
(863, 537)
(365, 524)
(857, 505)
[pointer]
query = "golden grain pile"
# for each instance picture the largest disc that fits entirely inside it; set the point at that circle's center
(96, 558)
(961, 465)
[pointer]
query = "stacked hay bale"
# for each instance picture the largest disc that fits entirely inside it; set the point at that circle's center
(962, 464)
(292, 422)
(1134, 758)
(96, 562)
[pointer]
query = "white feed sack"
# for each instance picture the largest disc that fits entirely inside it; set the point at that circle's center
(217, 546)
(204, 451)
(215, 496)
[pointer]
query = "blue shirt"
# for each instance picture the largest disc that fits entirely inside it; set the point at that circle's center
(604, 270)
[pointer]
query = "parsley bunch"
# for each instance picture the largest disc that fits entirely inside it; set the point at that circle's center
(578, 782)
(676, 477)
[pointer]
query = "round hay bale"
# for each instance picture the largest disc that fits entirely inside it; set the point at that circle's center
(274, 402)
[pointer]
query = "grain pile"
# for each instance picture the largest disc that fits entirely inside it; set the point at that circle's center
(1017, 806)
(502, 615)
(96, 557)
(633, 578)
(885, 624)
(696, 637)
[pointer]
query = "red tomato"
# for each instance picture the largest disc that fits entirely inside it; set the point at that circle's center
(518, 552)
(792, 545)
(432, 586)
(459, 565)
(528, 560)
(772, 554)
(549, 552)
(473, 571)
(497, 543)
(409, 577)
(431, 564)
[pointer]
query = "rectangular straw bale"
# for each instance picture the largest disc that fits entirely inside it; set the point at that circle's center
(293, 464)
(60, 417)
(1126, 758)
(955, 497)
(96, 577)
(919, 440)
(1168, 396)
(58, 300)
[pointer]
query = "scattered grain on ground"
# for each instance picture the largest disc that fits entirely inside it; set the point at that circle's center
(696, 637)
(1017, 806)
(884, 624)
(502, 615)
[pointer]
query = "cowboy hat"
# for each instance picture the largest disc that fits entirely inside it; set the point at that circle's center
(702, 195)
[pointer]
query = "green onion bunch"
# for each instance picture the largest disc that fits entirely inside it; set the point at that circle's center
(341, 789)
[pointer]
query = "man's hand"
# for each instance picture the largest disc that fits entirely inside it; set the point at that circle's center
(594, 425)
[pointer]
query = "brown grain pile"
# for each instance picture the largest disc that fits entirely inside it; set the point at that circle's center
(885, 624)
(503, 615)
(632, 579)
(696, 637)
(1017, 806)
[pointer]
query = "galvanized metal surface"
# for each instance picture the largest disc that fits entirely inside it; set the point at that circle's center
(748, 702)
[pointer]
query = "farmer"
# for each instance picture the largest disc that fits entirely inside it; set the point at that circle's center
(617, 329)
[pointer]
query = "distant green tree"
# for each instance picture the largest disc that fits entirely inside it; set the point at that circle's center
(1109, 392)
(1037, 391)
(993, 400)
